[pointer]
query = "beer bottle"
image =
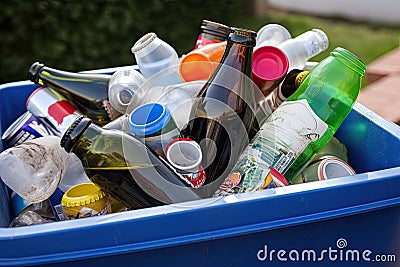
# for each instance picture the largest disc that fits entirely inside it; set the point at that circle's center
(302, 125)
(89, 91)
(223, 111)
(124, 167)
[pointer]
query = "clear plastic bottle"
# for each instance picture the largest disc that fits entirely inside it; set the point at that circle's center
(271, 34)
(300, 128)
(124, 89)
(303, 47)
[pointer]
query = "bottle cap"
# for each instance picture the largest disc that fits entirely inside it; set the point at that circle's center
(270, 65)
(82, 194)
(148, 119)
(300, 78)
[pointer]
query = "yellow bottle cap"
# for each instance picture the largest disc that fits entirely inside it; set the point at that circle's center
(300, 77)
(82, 194)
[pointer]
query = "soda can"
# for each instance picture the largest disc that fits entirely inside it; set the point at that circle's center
(52, 109)
(26, 127)
(324, 169)
(185, 156)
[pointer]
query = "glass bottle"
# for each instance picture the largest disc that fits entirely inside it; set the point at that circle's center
(302, 125)
(289, 85)
(223, 111)
(303, 47)
(125, 168)
(211, 32)
(89, 91)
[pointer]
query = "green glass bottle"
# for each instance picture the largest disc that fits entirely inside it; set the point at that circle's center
(89, 91)
(223, 111)
(124, 167)
(302, 125)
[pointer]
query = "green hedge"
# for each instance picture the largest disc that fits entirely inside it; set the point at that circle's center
(81, 35)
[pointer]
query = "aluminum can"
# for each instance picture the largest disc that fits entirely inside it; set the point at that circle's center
(52, 109)
(26, 127)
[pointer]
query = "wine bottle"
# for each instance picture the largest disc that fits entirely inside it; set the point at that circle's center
(89, 91)
(124, 167)
(301, 126)
(223, 111)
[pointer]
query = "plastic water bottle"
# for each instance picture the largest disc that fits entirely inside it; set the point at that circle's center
(301, 126)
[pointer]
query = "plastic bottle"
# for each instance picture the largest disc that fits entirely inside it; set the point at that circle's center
(211, 32)
(223, 112)
(89, 91)
(200, 64)
(124, 167)
(124, 89)
(301, 126)
(303, 47)
(272, 34)
(35, 168)
(154, 55)
(178, 98)
(154, 125)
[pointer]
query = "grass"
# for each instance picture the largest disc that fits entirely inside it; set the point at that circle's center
(367, 41)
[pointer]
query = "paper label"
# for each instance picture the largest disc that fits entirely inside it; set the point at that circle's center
(282, 138)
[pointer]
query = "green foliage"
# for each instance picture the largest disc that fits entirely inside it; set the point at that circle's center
(81, 35)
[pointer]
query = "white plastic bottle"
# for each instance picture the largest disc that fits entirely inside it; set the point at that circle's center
(303, 47)
(154, 55)
(271, 34)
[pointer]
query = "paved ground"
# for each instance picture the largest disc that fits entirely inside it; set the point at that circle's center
(382, 95)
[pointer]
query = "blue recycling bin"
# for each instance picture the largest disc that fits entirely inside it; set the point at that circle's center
(349, 221)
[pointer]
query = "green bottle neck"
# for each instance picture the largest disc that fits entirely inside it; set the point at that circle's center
(332, 87)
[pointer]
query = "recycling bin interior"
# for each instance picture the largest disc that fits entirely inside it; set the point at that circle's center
(348, 221)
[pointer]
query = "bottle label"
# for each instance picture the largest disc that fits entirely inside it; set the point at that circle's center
(312, 49)
(202, 41)
(282, 138)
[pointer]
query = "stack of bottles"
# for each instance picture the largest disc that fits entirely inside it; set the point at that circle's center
(241, 112)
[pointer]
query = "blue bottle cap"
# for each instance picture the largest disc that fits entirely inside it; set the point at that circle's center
(148, 119)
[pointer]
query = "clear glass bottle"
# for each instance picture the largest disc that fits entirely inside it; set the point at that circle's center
(223, 111)
(302, 125)
(303, 47)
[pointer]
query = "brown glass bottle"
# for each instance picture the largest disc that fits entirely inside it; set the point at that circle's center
(223, 111)
(124, 167)
(89, 91)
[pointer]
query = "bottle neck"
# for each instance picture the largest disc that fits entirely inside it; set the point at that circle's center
(349, 59)
(74, 133)
(308, 44)
(239, 49)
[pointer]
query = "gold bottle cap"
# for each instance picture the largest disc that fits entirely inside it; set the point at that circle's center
(300, 77)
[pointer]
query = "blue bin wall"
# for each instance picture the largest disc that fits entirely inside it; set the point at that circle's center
(364, 210)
